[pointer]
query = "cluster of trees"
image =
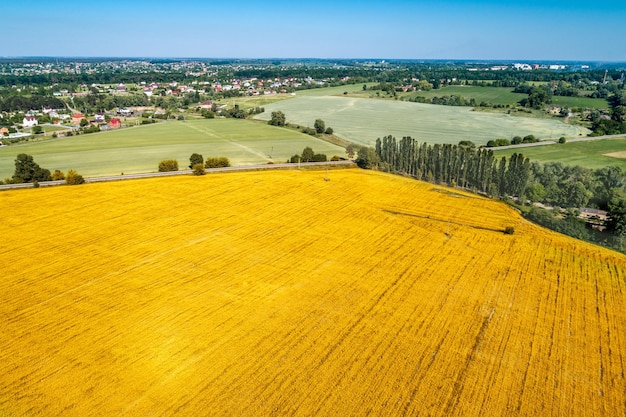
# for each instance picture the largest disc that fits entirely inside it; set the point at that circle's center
(516, 140)
(27, 170)
(616, 123)
(319, 126)
(235, 112)
(308, 155)
(452, 100)
(197, 164)
(25, 103)
(538, 96)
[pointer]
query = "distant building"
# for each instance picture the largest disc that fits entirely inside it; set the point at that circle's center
(124, 111)
(207, 105)
(98, 118)
(77, 117)
(115, 123)
(29, 121)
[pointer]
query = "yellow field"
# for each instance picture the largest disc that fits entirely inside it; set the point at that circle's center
(279, 293)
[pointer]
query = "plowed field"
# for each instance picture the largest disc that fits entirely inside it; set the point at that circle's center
(280, 293)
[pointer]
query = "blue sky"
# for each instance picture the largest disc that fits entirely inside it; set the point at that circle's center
(521, 30)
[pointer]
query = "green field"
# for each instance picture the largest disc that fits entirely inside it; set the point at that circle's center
(590, 154)
(364, 120)
(504, 96)
(139, 149)
(493, 95)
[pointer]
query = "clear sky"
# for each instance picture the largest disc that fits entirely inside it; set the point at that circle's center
(507, 29)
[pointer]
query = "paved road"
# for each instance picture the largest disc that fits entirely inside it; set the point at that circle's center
(184, 172)
(552, 142)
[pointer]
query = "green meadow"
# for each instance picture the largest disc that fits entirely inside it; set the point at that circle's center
(362, 120)
(590, 154)
(139, 149)
(504, 96)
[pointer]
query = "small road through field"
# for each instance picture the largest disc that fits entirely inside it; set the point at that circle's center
(185, 172)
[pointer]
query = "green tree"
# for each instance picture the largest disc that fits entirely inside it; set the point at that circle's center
(366, 157)
(617, 216)
(307, 154)
(194, 159)
(27, 170)
(319, 126)
(168, 165)
(37, 130)
(350, 150)
(535, 192)
(578, 195)
(329, 130)
(278, 119)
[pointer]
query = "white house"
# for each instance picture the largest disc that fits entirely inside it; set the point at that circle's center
(29, 121)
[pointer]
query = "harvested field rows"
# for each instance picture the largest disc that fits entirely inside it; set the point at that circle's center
(279, 293)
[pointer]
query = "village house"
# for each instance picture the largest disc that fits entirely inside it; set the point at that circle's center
(29, 121)
(207, 105)
(115, 123)
(98, 118)
(77, 117)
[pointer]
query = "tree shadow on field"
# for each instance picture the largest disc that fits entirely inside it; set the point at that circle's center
(446, 221)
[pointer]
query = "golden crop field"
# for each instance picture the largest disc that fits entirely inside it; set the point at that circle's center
(282, 294)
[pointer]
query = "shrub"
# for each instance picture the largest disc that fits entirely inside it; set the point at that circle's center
(198, 169)
(168, 165)
(73, 178)
(329, 131)
(217, 162)
(562, 139)
(509, 230)
(58, 175)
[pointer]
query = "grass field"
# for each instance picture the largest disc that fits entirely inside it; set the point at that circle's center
(280, 293)
(493, 95)
(140, 149)
(589, 154)
(505, 95)
(364, 120)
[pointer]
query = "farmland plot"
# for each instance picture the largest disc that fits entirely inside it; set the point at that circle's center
(364, 120)
(140, 149)
(280, 293)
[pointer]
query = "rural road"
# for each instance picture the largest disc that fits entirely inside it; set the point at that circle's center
(184, 172)
(553, 142)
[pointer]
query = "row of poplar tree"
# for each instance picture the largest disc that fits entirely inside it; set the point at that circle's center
(455, 165)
